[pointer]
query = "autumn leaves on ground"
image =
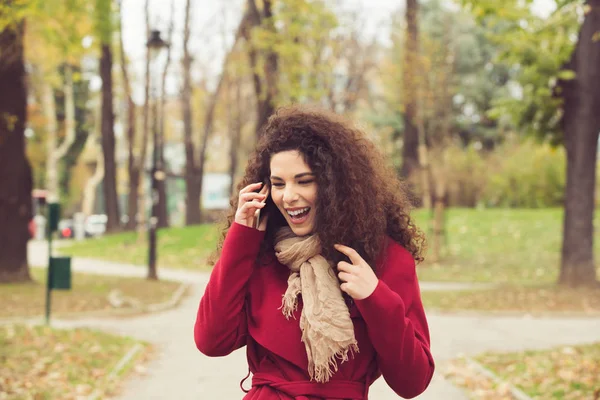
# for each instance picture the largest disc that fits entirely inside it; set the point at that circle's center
(38, 362)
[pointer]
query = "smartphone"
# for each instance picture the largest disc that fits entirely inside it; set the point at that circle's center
(257, 212)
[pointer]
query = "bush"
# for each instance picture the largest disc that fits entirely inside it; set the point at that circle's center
(526, 175)
(519, 174)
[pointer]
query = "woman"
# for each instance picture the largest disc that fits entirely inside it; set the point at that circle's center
(322, 289)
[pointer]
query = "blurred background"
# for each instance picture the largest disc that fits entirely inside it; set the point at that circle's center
(138, 117)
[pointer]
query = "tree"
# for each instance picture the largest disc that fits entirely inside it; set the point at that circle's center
(163, 213)
(265, 83)
(57, 151)
(196, 156)
(94, 144)
(141, 215)
(133, 160)
(104, 29)
(581, 124)
(54, 51)
(559, 103)
(290, 49)
(410, 155)
(15, 171)
(192, 188)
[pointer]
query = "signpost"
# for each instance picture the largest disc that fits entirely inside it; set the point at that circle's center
(59, 268)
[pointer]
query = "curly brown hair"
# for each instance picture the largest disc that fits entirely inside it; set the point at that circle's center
(360, 199)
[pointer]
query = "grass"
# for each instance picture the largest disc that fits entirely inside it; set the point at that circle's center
(567, 372)
(515, 246)
(519, 246)
(186, 247)
(88, 293)
(44, 363)
(512, 298)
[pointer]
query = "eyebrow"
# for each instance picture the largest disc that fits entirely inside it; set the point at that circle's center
(298, 176)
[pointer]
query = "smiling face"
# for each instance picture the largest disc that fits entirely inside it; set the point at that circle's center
(294, 190)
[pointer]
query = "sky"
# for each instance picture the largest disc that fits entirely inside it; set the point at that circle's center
(213, 26)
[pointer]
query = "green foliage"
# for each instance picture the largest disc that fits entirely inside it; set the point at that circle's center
(298, 33)
(11, 12)
(455, 53)
(104, 20)
(537, 48)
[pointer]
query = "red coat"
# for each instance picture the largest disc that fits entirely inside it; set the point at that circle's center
(241, 306)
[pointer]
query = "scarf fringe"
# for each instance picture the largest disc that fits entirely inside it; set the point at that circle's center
(289, 305)
(322, 373)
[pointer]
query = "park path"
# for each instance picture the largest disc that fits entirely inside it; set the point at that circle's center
(179, 371)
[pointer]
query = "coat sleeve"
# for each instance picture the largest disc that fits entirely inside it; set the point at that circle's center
(221, 323)
(397, 326)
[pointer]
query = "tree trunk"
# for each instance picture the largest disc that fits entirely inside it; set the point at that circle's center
(439, 207)
(142, 214)
(15, 170)
(208, 123)
(80, 128)
(51, 142)
(581, 127)
(236, 135)
(265, 94)
(410, 149)
(133, 169)
(66, 144)
(163, 212)
(111, 200)
(192, 193)
(89, 191)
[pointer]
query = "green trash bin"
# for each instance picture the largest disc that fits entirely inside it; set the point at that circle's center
(60, 273)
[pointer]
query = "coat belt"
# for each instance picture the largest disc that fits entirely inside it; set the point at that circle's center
(332, 389)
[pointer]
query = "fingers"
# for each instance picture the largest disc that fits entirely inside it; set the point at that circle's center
(350, 252)
(345, 277)
(264, 190)
(250, 188)
(346, 267)
(344, 287)
(245, 197)
(249, 207)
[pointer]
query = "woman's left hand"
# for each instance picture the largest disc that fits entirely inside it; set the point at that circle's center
(358, 278)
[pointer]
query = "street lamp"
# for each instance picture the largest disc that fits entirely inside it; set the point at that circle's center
(155, 45)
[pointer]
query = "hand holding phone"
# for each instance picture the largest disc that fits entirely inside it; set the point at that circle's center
(249, 202)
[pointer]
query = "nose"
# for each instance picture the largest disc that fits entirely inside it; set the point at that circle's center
(290, 195)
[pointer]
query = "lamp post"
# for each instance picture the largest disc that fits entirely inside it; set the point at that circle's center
(155, 44)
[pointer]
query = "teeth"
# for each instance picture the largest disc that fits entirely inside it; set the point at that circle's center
(297, 212)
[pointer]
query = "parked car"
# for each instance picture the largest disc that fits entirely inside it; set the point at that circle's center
(95, 225)
(65, 229)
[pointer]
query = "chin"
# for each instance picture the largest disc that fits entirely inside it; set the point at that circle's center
(301, 231)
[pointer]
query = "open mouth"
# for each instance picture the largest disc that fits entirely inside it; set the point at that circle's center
(299, 216)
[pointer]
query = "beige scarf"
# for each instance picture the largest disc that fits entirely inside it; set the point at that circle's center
(327, 330)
